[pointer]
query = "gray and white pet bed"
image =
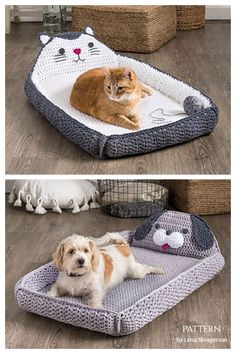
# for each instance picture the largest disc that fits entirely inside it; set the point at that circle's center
(182, 244)
(175, 113)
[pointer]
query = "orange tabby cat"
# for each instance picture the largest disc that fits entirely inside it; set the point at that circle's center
(111, 95)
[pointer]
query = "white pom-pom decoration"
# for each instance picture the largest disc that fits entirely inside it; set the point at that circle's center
(175, 240)
(159, 237)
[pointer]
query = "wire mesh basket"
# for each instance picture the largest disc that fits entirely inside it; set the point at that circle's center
(132, 198)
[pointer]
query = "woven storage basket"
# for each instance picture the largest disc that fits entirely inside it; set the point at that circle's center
(202, 197)
(190, 17)
(140, 29)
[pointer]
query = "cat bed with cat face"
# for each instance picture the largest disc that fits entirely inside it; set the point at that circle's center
(182, 244)
(175, 113)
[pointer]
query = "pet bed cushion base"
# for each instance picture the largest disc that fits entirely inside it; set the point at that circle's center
(113, 146)
(104, 140)
(31, 295)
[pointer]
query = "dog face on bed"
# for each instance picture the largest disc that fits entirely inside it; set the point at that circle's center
(76, 255)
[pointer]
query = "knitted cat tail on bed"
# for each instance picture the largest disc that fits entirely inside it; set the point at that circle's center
(66, 56)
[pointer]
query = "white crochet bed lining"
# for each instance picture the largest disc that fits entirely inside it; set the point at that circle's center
(57, 85)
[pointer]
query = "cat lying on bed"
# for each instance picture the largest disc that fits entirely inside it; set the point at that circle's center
(111, 95)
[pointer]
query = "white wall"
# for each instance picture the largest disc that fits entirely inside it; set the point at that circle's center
(218, 12)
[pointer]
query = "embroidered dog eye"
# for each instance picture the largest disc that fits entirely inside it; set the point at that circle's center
(90, 44)
(157, 226)
(61, 51)
(168, 232)
(185, 231)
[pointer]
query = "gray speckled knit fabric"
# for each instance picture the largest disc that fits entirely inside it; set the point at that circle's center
(116, 145)
(131, 209)
(128, 306)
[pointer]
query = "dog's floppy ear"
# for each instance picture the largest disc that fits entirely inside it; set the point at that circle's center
(95, 255)
(59, 254)
(202, 233)
(143, 229)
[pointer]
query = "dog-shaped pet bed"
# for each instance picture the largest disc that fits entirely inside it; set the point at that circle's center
(181, 244)
(175, 113)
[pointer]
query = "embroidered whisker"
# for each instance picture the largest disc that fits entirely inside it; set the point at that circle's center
(59, 55)
(58, 60)
(93, 48)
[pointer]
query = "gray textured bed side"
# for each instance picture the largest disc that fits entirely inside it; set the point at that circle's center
(170, 294)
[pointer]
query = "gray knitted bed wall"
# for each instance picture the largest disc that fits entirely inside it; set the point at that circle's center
(182, 244)
(175, 113)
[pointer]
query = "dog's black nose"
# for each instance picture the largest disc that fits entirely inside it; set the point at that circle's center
(80, 261)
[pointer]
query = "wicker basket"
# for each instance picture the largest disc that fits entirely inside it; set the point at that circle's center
(190, 17)
(132, 198)
(203, 197)
(140, 29)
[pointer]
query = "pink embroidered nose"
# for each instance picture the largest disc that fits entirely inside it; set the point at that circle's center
(165, 247)
(77, 51)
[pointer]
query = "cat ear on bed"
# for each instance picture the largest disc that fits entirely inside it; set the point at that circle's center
(128, 73)
(44, 38)
(89, 30)
(106, 71)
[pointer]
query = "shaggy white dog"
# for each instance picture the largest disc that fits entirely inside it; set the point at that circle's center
(90, 266)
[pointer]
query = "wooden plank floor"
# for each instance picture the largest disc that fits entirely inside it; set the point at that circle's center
(30, 241)
(33, 146)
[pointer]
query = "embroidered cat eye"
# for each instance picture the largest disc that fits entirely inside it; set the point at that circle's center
(61, 51)
(60, 56)
(91, 44)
